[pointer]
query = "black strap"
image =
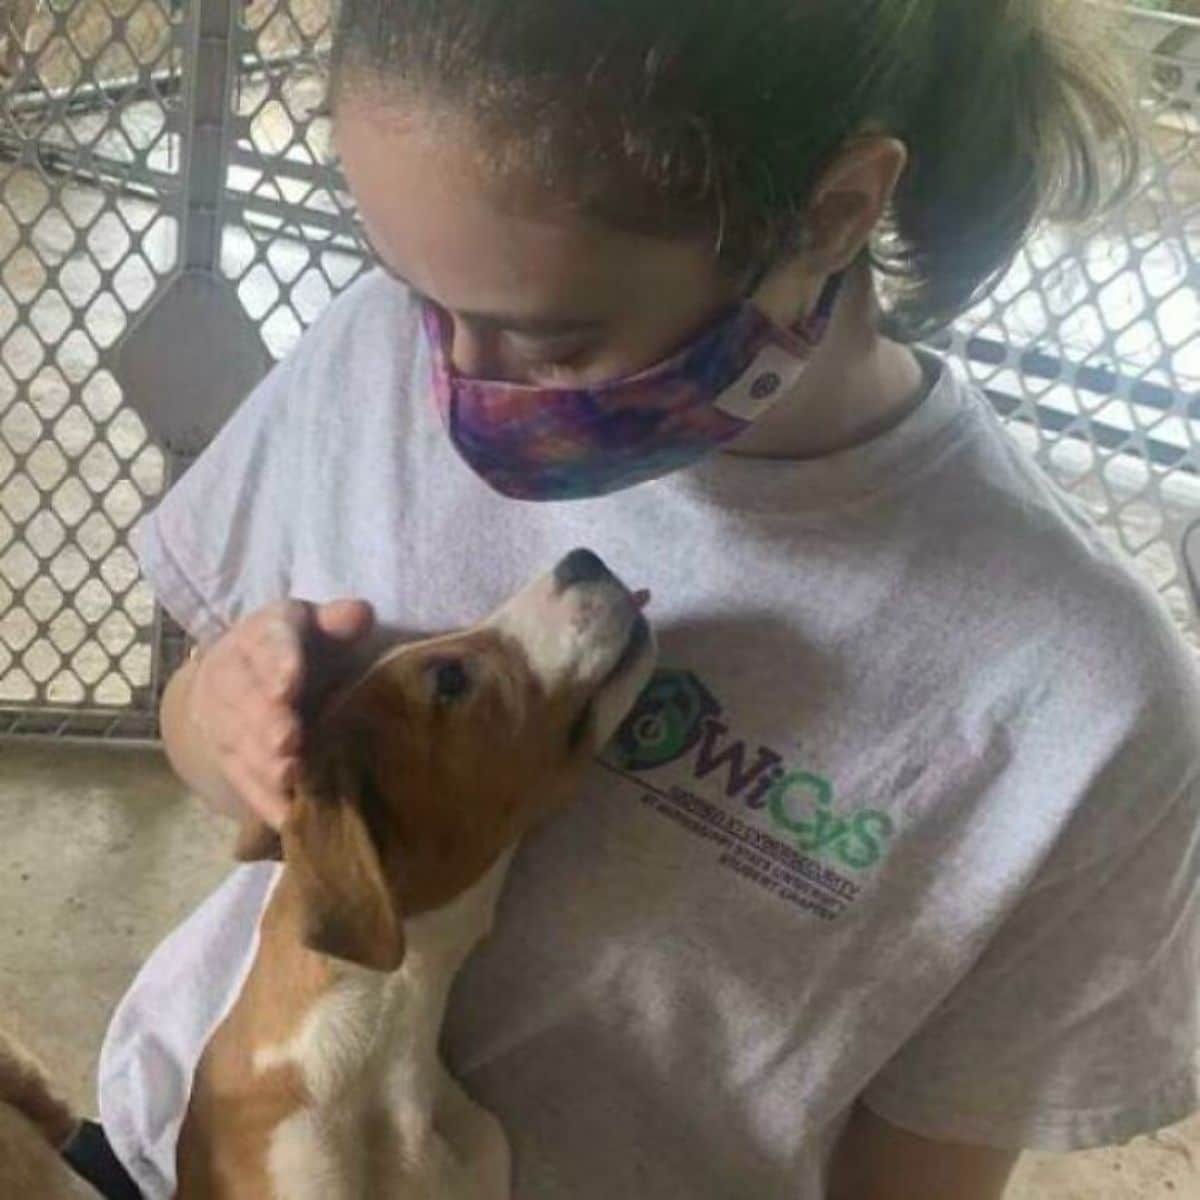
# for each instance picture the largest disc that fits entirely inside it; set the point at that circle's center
(90, 1156)
(1190, 552)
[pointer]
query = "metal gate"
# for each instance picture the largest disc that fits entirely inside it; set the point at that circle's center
(162, 169)
(1091, 346)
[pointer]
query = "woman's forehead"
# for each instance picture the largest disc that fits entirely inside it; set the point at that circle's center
(496, 246)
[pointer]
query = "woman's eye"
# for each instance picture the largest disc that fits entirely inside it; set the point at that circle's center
(450, 680)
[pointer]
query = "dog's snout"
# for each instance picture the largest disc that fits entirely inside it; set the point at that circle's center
(580, 566)
(582, 633)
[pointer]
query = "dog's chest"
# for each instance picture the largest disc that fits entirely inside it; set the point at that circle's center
(384, 1118)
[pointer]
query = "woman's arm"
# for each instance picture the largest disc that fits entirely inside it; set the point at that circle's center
(875, 1160)
(190, 753)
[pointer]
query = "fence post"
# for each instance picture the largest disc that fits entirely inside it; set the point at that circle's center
(165, 360)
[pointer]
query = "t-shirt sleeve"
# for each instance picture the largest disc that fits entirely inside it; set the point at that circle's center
(1079, 1024)
(219, 544)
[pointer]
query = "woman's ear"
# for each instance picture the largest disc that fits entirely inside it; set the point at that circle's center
(849, 201)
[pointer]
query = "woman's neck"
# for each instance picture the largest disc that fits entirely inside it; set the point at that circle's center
(859, 385)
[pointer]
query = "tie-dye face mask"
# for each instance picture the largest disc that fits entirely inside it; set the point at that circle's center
(564, 443)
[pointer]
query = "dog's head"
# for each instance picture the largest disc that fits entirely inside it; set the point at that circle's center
(421, 773)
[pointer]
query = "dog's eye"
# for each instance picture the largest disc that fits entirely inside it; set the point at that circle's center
(450, 680)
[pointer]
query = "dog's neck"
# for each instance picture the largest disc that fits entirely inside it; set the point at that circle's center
(324, 1071)
(367, 1031)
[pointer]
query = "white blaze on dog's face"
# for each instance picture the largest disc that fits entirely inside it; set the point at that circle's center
(577, 627)
(447, 751)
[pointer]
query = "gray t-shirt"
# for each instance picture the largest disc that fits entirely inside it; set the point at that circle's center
(910, 811)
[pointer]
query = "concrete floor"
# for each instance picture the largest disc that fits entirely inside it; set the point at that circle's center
(102, 853)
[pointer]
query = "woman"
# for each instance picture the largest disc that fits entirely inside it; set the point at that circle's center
(893, 873)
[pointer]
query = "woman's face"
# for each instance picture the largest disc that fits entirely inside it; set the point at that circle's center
(534, 293)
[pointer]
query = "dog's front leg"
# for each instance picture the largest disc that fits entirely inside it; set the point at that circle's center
(311, 1158)
(476, 1139)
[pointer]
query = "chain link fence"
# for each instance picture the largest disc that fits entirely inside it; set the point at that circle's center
(110, 161)
(144, 142)
(1091, 346)
(290, 245)
(89, 216)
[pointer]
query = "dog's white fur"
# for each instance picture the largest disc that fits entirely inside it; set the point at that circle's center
(372, 1044)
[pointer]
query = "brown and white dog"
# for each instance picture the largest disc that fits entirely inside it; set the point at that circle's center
(34, 1125)
(324, 1080)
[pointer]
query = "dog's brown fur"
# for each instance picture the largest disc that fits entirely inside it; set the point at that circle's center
(229, 1107)
(35, 1124)
(25, 1087)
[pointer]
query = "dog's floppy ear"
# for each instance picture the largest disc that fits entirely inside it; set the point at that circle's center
(351, 910)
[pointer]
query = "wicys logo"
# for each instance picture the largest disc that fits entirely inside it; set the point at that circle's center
(677, 718)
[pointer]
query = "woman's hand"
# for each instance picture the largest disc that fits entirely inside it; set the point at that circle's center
(230, 716)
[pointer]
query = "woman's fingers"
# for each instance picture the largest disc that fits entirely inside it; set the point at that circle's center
(345, 620)
(249, 686)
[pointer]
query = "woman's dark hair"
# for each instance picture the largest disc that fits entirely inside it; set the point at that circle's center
(717, 116)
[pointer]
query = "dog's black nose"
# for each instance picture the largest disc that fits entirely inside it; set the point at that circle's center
(580, 566)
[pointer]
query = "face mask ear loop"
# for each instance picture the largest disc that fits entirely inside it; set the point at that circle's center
(755, 280)
(812, 328)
